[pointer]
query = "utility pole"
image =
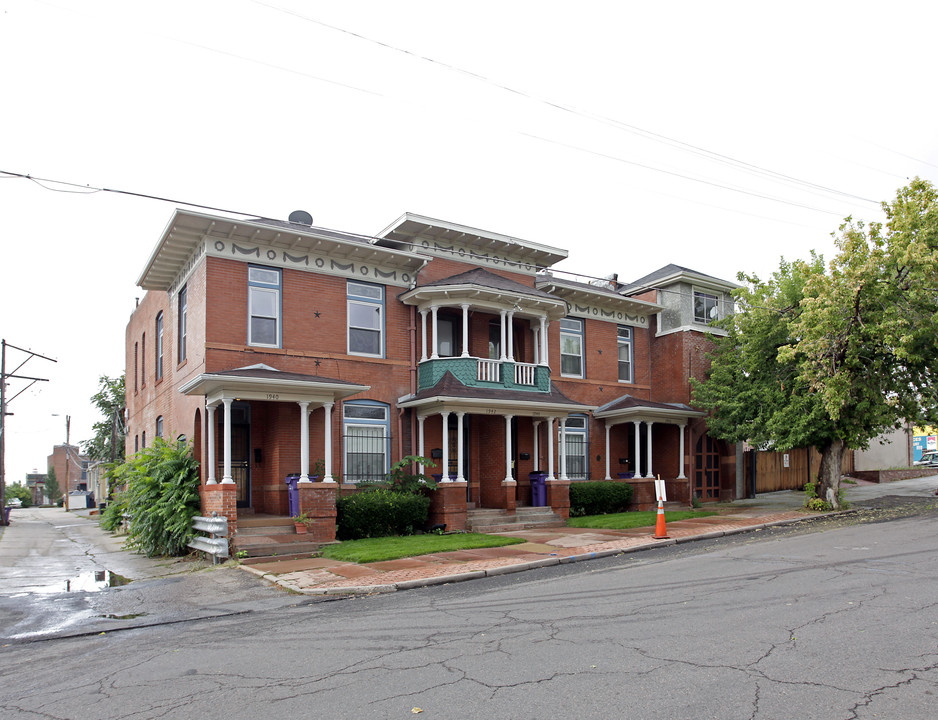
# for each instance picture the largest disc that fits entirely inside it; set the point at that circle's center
(3, 408)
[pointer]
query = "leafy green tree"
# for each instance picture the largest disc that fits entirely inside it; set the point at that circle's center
(53, 491)
(108, 441)
(18, 490)
(834, 358)
(161, 497)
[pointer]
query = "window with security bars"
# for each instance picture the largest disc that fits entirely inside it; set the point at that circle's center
(366, 440)
(577, 445)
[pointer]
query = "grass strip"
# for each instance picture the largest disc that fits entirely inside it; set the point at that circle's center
(393, 548)
(633, 519)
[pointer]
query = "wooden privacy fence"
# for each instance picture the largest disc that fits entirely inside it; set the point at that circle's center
(772, 473)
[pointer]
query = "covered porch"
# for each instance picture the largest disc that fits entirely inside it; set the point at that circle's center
(254, 440)
(648, 439)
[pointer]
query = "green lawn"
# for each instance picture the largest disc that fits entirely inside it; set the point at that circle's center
(629, 520)
(392, 548)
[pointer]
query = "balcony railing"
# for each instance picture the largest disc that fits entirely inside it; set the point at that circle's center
(482, 372)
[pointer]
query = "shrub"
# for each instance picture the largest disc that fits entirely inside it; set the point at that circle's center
(162, 496)
(379, 513)
(599, 498)
(18, 490)
(113, 514)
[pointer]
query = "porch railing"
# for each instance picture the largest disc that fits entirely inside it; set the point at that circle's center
(524, 373)
(488, 371)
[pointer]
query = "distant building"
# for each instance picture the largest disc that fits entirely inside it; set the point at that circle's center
(36, 482)
(71, 468)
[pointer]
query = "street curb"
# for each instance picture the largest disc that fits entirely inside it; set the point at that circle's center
(529, 565)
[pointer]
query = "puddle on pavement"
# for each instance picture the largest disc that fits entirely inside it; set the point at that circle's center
(129, 616)
(95, 581)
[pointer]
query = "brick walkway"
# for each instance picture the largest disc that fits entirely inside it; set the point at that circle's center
(542, 547)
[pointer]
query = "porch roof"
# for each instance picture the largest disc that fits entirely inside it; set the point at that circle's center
(480, 287)
(450, 394)
(628, 408)
(262, 382)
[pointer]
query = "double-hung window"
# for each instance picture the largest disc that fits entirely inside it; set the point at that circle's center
(159, 426)
(264, 306)
(183, 307)
(624, 341)
(159, 346)
(577, 444)
(571, 347)
(366, 436)
(365, 319)
(706, 307)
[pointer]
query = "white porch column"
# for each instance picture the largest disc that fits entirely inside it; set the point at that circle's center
(327, 433)
(511, 335)
(210, 410)
(445, 463)
(638, 449)
(502, 337)
(459, 449)
(304, 442)
(226, 477)
(543, 359)
(508, 477)
(436, 336)
(563, 449)
(608, 476)
(536, 449)
(681, 475)
(535, 333)
(423, 335)
(465, 331)
(550, 448)
(420, 451)
(648, 424)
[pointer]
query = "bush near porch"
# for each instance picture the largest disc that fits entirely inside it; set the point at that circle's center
(380, 512)
(599, 498)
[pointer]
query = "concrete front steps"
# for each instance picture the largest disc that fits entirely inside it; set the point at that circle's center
(270, 536)
(488, 520)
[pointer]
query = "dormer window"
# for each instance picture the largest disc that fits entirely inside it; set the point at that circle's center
(706, 307)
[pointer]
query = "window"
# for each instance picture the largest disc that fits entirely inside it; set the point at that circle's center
(706, 307)
(263, 306)
(136, 443)
(159, 346)
(571, 347)
(449, 343)
(183, 306)
(577, 445)
(143, 439)
(367, 441)
(365, 319)
(143, 360)
(136, 365)
(159, 426)
(495, 339)
(624, 340)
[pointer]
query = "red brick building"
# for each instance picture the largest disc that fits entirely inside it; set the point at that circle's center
(281, 348)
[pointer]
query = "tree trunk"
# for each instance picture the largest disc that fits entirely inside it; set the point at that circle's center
(828, 484)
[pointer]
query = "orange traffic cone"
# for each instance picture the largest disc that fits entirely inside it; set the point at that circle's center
(661, 531)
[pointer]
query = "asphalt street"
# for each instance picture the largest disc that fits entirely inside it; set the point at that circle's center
(775, 624)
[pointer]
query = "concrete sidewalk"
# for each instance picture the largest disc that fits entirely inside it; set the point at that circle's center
(554, 546)
(542, 547)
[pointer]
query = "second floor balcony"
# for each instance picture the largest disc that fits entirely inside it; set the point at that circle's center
(482, 372)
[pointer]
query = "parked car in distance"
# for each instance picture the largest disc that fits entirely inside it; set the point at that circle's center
(14, 502)
(929, 459)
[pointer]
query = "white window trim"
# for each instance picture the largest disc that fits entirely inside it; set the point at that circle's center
(585, 433)
(631, 343)
(581, 336)
(370, 303)
(349, 423)
(710, 293)
(265, 287)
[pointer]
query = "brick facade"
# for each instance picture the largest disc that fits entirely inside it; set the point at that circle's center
(313, 316)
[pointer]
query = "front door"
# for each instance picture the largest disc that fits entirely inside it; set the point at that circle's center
(707, 469)
(240, 450)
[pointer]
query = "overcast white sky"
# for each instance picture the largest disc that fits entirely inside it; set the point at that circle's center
(635, 134)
